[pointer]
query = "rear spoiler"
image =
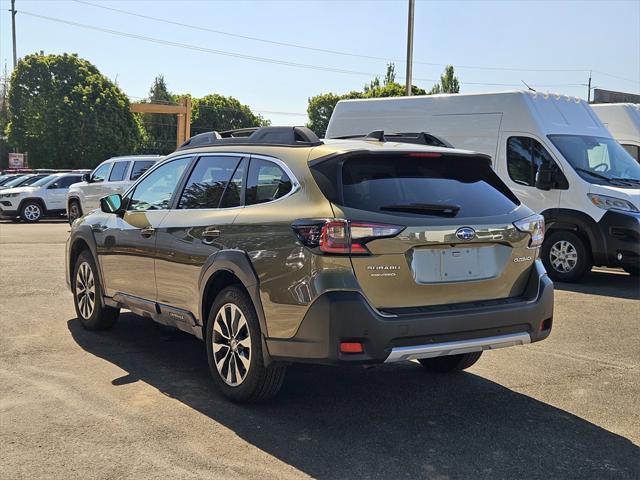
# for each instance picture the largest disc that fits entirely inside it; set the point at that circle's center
(418, 138)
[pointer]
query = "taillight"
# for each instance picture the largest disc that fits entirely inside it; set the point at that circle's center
(340, 236)
(534, 226)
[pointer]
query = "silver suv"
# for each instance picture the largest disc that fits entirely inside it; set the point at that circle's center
(111, 176)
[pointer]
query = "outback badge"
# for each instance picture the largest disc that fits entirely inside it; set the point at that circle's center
(465, 233)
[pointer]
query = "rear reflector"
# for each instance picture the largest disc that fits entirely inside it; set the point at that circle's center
(351, 347)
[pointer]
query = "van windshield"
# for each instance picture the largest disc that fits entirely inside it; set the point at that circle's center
(598, 159)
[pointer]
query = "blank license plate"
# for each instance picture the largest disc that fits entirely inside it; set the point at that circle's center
(453, 264)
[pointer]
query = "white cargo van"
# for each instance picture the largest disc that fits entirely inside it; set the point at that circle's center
(551, 150)
(623, 121)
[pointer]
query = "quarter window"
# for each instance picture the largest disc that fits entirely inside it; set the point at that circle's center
(524, 156)
(139, 168)
(633, 150)
(209, 181)
(100, 173)
(154, 192)
(266, 182)
(118, 171)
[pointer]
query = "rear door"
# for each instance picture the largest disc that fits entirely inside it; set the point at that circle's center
(459, 242)
(117, 182)
(198, 226)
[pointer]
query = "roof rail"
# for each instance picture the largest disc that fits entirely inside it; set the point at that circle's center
(277, 136)
(421, 138)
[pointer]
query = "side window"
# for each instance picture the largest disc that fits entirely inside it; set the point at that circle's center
(118, 171)
(266, 182)
(66, 182)
(208, 182)
(155, 191)
(100, 173)
(633, 150)
(139, 168)
(524, 156)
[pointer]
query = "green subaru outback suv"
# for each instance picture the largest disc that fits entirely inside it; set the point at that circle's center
(275, 247)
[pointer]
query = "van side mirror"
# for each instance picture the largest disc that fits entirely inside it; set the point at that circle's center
(545, 177)
(111, 204)
(86, 177)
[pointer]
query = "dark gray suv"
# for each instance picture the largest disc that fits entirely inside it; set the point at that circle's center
(276, 247)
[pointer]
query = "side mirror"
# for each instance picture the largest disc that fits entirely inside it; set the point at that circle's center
(86, 177)
(111, 204)
(545, 177)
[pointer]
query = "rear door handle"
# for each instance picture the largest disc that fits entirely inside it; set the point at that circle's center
(209, 235)
(147, 232)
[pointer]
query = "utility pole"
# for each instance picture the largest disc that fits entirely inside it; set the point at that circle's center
(412, 4)
(13, 32)
(589, 87)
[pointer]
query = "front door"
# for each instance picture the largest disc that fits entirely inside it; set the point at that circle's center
(521, 157)
(93, 191)
(127, 243)
(56, 193)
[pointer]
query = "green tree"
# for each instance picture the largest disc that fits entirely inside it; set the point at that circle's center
(160, 129)
(217, 112)
(66, 114)
(448, 82)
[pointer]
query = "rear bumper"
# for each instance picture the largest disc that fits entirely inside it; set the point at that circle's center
(346, 316)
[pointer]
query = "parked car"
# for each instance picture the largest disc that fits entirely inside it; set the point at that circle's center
(111, 176)
(280, 248)
(44, 197)
(22, 180)
(552, 151)
(623, 121)
(7, 177)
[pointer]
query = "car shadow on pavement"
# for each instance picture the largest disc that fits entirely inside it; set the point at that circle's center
(394, 421)
(609, 284)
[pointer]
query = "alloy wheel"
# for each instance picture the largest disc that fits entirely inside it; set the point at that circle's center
(563, 256)
(32, 212)
(231, 344)
(74, 211)
(85, 290)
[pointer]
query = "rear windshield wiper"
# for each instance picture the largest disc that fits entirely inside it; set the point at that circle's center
(424, 208)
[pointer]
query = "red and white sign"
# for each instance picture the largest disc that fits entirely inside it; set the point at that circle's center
(16, 160)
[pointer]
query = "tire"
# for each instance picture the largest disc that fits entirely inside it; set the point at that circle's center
(234, 352)
(31, 211)
(75, 211)
(87, 297)
(633, 271)
(450, 363)
(565, 256)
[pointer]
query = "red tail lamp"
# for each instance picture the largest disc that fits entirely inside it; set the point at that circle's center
(351, 347)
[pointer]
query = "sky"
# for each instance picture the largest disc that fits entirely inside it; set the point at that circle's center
(550, 45)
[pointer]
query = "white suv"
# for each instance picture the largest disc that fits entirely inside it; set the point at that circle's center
(111, 176)
(44, 197)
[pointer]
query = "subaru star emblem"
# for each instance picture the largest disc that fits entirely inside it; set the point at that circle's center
(465, 233)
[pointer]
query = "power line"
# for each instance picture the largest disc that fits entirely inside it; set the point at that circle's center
(322, 50)
(256, 58)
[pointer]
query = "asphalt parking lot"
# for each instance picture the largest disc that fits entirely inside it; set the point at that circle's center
(136, 402)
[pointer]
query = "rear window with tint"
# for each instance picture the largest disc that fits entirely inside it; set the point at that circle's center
(416, 186)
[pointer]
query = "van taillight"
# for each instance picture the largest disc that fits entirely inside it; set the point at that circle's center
(340, 236)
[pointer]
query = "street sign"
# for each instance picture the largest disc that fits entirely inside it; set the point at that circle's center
(16, 160)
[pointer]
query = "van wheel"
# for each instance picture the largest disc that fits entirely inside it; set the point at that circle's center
(450, 363)
(92, 313)
(75, 211)
(565, 256)
(31, 212)
(234, 350)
